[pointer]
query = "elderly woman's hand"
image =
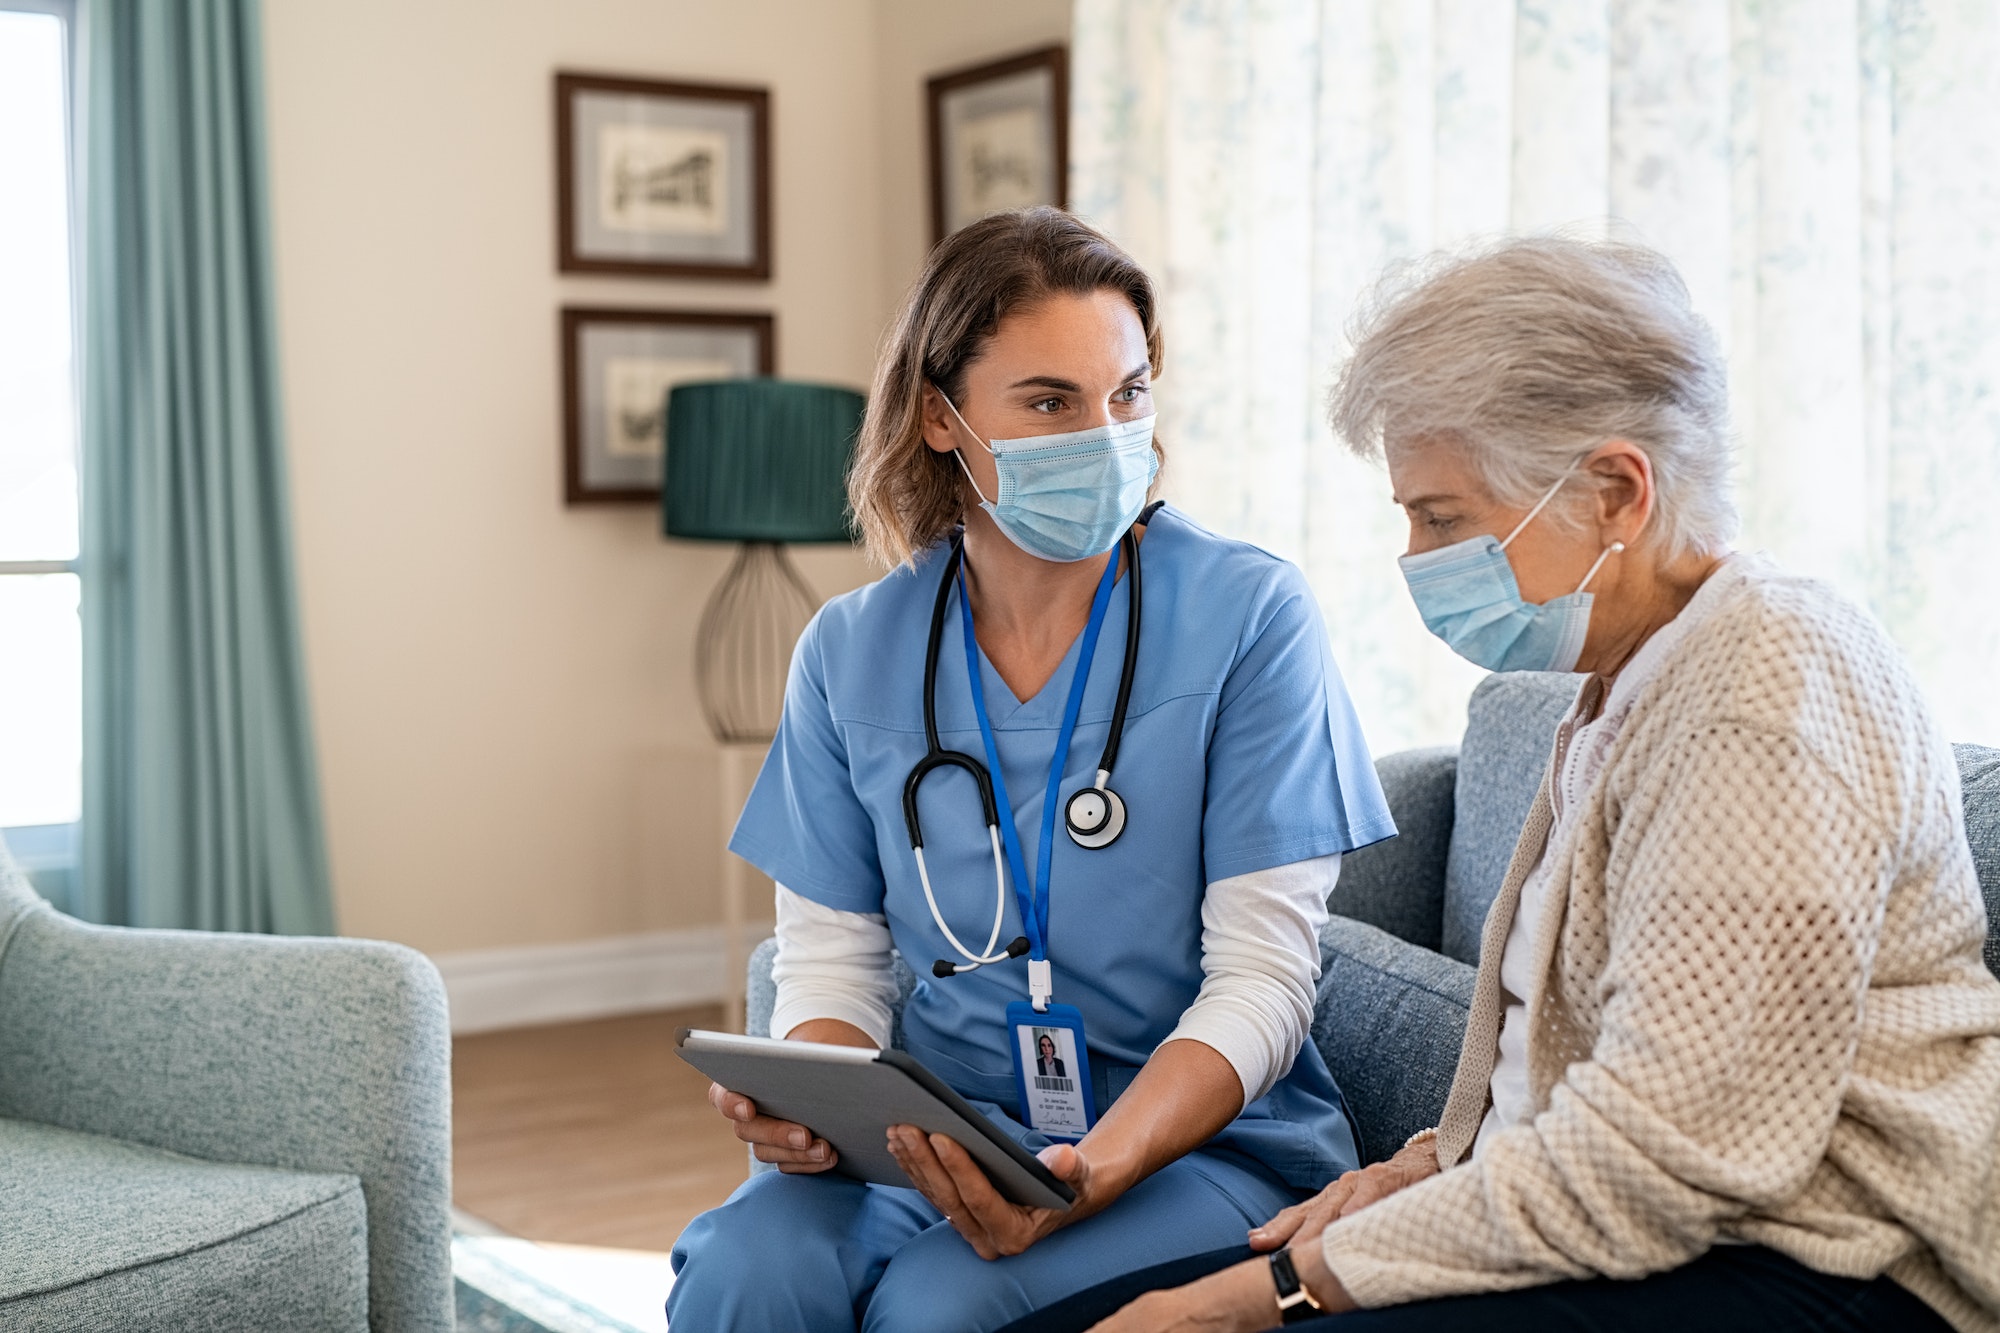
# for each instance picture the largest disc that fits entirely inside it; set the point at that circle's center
(1349, 1194)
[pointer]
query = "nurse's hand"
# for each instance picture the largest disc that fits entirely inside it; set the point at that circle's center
(792, 1147)
(957, 1186)
(1347, 1196)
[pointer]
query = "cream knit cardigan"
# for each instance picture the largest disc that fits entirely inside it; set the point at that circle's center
(1763, 1013)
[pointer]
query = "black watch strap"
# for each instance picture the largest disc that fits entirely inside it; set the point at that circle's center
(1295, 1303)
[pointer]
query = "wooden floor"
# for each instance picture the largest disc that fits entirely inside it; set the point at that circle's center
(590, 1133)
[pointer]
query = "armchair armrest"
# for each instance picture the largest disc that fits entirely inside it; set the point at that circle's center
(315, 1054)
(1398, 885)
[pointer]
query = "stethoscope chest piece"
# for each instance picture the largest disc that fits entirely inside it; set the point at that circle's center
(1095, 817)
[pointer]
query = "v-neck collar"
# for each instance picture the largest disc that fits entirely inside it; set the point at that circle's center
(1044, 708)
(1045, 705)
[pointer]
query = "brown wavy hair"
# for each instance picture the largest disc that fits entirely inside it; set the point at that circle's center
(906, 497)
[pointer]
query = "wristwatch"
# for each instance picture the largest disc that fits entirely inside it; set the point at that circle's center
(1295, 1303)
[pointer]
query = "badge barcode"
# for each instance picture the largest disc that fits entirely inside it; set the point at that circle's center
(1054, 1084)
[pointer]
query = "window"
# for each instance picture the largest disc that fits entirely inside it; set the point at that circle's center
(41, 744)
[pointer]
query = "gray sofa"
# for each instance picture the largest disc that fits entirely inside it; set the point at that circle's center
(218, 1132)
(1397, 958)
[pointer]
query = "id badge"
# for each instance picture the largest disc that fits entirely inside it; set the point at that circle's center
(1052, 1070)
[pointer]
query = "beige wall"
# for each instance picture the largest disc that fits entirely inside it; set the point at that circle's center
(919, 38)
(510, 748)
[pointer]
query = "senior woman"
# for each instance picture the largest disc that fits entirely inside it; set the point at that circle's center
(1733, 1061)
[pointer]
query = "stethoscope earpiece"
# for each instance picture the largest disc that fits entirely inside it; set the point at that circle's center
(944, 967)
(1095, 816)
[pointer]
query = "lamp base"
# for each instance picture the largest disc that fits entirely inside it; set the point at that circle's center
(743, 650)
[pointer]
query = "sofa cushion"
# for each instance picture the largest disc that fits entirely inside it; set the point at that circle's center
(1398, 883)
(1389, 1019)
(1510, 731)
(1979, 780)
(107, 1234)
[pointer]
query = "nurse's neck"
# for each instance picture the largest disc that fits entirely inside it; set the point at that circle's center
(1026, 611)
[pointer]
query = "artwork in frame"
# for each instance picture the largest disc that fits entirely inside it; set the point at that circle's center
(618, 365)
(999, 138)
(669, 180)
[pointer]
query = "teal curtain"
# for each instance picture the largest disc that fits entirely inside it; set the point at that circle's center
(200, 803)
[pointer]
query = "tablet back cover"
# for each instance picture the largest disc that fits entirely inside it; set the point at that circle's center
(852, 1103)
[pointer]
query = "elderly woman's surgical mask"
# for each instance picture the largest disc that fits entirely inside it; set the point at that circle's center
(1467, 596)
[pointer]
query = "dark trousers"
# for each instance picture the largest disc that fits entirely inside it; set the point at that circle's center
(1731, 1289)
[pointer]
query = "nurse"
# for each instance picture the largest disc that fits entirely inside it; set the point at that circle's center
(1170, 812)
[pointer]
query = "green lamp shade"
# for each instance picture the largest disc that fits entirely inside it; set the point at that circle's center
(759, 460)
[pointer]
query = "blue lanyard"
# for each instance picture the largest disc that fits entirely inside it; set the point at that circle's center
(1033, 895)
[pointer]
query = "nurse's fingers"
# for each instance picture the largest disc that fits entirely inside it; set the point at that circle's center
(732, 1104)
(1008, 1226)
(790, 1142)
(913, 1152)
(819, 1156)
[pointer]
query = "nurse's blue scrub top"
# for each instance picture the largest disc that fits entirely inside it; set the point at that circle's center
(1241, 752)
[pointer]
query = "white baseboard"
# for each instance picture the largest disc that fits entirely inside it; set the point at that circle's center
(558, 983)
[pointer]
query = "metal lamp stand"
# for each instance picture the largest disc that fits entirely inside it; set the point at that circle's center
(743, 653)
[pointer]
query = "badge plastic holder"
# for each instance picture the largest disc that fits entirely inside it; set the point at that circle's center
(1062, 1113)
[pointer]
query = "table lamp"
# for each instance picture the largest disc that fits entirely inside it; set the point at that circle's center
(762, 462)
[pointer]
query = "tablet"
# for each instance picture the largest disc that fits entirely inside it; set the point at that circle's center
(850, 1095)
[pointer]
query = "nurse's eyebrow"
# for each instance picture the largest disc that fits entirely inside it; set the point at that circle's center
(1071, 386)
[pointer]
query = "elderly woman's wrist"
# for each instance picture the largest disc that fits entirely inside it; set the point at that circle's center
(1310, 1263)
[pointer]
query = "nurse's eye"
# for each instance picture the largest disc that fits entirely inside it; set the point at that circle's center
(1049, 406)
(1131, 393)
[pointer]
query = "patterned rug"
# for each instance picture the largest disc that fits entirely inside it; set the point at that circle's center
(504, 1284)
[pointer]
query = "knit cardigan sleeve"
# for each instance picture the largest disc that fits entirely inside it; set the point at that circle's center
(1745, 888)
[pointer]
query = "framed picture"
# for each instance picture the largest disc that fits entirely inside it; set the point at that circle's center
(999, 138)
(618, 365)
(669, 180)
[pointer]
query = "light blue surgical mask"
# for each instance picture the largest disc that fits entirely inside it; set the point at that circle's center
(1069, 497)
(1467, 596)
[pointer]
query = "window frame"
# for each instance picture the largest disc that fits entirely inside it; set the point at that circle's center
(52, 868)
(64, 12)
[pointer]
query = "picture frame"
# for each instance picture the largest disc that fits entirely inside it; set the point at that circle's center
(999, 138)
(662, 179)
(618, 364)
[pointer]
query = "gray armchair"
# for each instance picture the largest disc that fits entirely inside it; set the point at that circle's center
(218, 1132)
(1397, 958)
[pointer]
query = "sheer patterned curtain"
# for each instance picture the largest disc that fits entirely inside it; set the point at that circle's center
(1827, 177)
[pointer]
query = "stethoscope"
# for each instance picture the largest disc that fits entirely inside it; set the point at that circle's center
(1094, 816)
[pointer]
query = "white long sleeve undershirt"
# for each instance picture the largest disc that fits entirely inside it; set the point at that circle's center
(1259, 963)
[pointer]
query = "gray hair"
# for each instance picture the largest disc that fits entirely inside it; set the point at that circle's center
(1531, 352)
